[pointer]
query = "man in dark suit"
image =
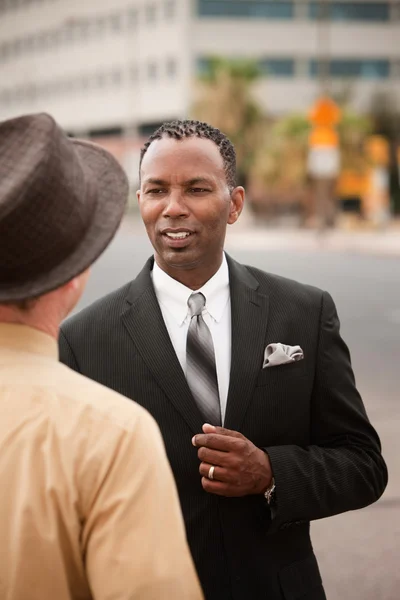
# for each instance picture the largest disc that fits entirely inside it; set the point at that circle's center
(253, 390)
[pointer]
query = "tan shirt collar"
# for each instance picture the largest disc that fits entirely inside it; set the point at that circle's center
(21, 338)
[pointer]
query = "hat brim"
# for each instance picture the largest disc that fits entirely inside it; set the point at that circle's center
(112, 194)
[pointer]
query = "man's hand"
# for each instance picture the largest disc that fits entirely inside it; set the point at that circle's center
(240, 468)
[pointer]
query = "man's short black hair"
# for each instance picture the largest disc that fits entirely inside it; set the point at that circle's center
(179, 130)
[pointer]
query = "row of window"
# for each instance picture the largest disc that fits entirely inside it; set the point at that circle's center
(286, 9)
(151, 9)
(272, 9)
(86, 28)
(364, 69)
(12, 4)
(110, 78)
(350, 11)
(337, 68)
(272, 67)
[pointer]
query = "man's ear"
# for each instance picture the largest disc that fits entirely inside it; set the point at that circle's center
(72, 284)
(236, 207)
(138, 195)
(79, 281)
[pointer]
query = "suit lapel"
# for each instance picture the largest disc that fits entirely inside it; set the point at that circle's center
(145, 325)
(249, 325)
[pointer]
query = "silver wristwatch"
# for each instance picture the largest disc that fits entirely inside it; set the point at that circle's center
(269, 494)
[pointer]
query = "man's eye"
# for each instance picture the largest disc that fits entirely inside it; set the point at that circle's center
(156, 191)
(198, 190)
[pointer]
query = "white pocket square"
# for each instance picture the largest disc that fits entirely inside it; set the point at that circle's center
(281, 354)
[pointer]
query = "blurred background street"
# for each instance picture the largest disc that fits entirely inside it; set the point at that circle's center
(307, 90)
(358, 551)
(309, 93)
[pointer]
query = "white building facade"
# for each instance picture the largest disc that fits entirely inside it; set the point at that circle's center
(117, 66)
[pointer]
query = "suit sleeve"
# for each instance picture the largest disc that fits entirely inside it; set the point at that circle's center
(66, 354)
(342, 469)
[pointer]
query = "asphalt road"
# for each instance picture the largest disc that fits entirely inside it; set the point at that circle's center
(358, 552)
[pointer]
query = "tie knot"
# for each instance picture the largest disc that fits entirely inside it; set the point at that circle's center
(196, 304)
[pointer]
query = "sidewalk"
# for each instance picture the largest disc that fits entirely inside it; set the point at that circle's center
(356, 241)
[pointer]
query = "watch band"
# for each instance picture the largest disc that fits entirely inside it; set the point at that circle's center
(269, 494)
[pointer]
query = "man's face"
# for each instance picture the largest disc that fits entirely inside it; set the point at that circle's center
(186, 204)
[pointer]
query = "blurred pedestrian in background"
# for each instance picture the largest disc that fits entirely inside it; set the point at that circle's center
(245, 372)
(88, 505)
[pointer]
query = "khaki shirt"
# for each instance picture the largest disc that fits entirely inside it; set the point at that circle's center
(88, 505)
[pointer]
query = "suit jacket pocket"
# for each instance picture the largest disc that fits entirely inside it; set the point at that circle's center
(281, 372)
(302, 580)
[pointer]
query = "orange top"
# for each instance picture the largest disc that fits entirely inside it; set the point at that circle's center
(377, 148)
(325, 113)
(323, 136)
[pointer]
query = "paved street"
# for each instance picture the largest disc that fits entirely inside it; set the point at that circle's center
(358, 552)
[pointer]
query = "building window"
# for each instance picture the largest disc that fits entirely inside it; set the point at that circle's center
(134, 73)
(115, 21)
(277, 67)
(271, 67)
(29, 43)
(152, 71)
(53, 38)
(68, 32)
(98, 25)
(18, 46)
(202, 66)
(19, 95)
(100, 80)
(31, 92)
(46, 89)
(6, 97)
(353, 68)
(5, 51)
(4, 5)
(350, 11)
(84, 82)
(132, 18)
(53, 88)
(396, 12)
(256, 9)
(169, 9)
(150, 12)
(171, 68)
(63, 87)
(146, 129)
(42, 40)
(116, 77)
(84, 28)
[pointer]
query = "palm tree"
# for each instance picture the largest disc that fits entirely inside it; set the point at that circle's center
(353, 130)
(385, 116)
(225, 100)
(280, 168)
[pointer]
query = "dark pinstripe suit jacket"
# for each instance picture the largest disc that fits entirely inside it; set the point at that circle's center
(308, 415)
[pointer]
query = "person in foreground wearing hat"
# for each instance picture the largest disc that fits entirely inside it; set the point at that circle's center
(88, 504)
(245, 372)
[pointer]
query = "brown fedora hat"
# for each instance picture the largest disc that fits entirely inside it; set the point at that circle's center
(61, 202)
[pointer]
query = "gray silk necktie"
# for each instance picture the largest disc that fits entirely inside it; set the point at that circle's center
(201, 373)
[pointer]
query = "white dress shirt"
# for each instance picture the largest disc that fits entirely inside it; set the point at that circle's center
(172, 297)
